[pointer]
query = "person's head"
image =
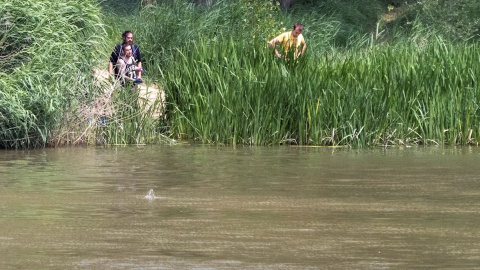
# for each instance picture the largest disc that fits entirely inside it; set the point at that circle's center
(127, 49)
(127, 37)
(297, 29)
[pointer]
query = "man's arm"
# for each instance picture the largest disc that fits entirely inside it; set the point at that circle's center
(272, 44)
(139, 69)
(303, 49)
(113, 59)
(138, 56)
(110, 68)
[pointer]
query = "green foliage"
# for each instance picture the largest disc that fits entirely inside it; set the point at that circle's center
(48, 47)
(14, 121)
(119, 9)
(350, 18)
(356, 84)
(225, 86)
(458, 20)
(178, 23)
(235, 92)
(131, 123)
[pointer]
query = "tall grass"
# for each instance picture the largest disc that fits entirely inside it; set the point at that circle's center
(225, 86)
(234, 92)
(457, 20)
(49, 47)
(130, 123)
(354, 86)
(175, 24)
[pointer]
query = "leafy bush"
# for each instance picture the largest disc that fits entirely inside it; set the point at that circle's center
(47, 50)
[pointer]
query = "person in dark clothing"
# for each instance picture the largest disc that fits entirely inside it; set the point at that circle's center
(118, 52)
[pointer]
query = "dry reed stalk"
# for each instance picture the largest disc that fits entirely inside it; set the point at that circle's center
(88, 115)
(102, 106)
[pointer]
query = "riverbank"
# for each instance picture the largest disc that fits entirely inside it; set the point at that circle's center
(404, 83)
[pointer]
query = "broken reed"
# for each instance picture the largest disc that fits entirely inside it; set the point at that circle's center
(238, 92)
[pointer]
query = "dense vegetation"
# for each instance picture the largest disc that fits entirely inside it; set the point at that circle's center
(369, 77)
(46, 51)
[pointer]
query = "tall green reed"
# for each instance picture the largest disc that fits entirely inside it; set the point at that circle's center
(234, 92)
(456, 20)
(225, 86)
(47, 44)
(130, 122)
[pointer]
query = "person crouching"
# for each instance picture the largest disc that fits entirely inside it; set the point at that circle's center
(127, 68)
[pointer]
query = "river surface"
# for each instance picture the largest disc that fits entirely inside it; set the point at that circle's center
(240, 208)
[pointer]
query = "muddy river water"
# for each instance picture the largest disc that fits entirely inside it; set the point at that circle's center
(240, 208)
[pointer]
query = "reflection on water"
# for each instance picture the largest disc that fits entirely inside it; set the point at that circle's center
(239, 208)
